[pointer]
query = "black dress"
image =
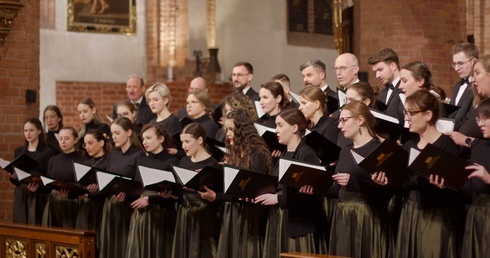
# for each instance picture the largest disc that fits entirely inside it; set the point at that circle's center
(197, 226)
(29, 206)
(243, 224)
(431, 219)
(172, 124)
(477, 194)
(360, 227)
(297, 223)
(209, 125)
(61, 211)
(90, 209)
(116, 215)
(327, 126)
(267, 120)
(151, 231)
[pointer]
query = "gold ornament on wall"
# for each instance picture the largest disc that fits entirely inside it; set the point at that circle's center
(8, 11)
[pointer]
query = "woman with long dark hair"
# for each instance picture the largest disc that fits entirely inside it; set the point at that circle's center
(272, 101)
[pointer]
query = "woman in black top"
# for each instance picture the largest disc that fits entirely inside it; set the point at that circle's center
(199, 108)
(296, 220)
(197, 227)
(29, 206)
(98, 147)
(62, 208)
(430, 221)
(151, 231)
(89, 116)
(126, 108)
(242, 229)
(53, 121)
(158, 97)
(360, 227)
(272, 101)
(117, 210)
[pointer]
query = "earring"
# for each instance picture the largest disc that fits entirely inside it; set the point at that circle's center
(360, 131)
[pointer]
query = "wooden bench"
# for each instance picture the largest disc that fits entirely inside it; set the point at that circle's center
(305, 255)
(18, 240)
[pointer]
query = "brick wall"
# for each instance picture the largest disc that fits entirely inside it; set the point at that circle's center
(106, 94)
(416, 30)
(19, 71)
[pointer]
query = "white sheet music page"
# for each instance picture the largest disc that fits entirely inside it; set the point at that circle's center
(151, 176)
(21, 174)
(285, 163)
(258, 107)
(4, 163)
(261, 129)
(413, 154)
(103, 179)
(185, 175)
(80, 170)
(46, 180)
(358, 158)
(229, 176)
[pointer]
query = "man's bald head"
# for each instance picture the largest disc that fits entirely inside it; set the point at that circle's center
(198, 83)
(346, 68)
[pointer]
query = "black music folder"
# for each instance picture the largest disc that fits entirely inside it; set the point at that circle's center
(216, 147)
(435, 161)
(28, 177)
(449, 109)
(110, 184)
(74, 190)
(270, 137)
(210, 177)
(388, 157)
(387, 126)
(23, 162)
(326, 150)
(85, 175)
(332, 104)
(258, 110)
(185, 121)
(245, 183)
(297, 174)
(159, 180)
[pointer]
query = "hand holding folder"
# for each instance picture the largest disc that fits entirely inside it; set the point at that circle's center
(389, 158)
(84, 175)
(245, 183)
(158, 180)
(74, 190)
(28, 178)
(297, 174)
(112, 184)
(208, 176)
(435, 161)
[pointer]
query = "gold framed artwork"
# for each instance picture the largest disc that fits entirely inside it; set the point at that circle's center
(104, 16)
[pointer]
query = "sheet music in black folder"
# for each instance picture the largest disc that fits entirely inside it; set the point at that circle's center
(326, 150)
(23, 162)
(28, 177)
(208, 176)
(158, 180)
(110, 183)
(435, 161)
(85, 175)
(244, 183)
(74, 190)
(297, 174)
(388, 157)
(270, 137)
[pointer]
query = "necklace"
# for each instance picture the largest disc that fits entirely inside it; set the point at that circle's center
(95, 163)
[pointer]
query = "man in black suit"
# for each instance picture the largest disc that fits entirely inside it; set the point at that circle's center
(346, 68)
(465, 55)
(314, 75)
(135, 88)
(242, 76)
(386, 65)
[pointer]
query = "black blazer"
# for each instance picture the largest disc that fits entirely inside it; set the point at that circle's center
(465, 103)
(394, 105)
(253, 95)
(144, 115)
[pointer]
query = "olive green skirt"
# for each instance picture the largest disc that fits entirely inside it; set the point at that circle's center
(114, 228)
(242, 230)
(360, 229)
(431, 232)
(196, 229)
(89, 214)
(277, 240)
(151, 231)
(477, 228)
(60, 211)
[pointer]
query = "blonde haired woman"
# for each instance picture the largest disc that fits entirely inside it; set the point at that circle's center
(159, 98)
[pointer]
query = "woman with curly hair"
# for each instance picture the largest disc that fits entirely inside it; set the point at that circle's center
(234, 101)
(241, 230)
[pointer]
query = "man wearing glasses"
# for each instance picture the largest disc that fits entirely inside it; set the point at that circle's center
(346, 68)
(241, 77)
(465, 55)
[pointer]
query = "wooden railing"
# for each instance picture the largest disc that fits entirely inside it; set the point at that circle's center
(19, 241)
(305, 255)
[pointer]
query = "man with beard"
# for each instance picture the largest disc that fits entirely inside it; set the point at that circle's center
(242, 75)
(314, 73)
